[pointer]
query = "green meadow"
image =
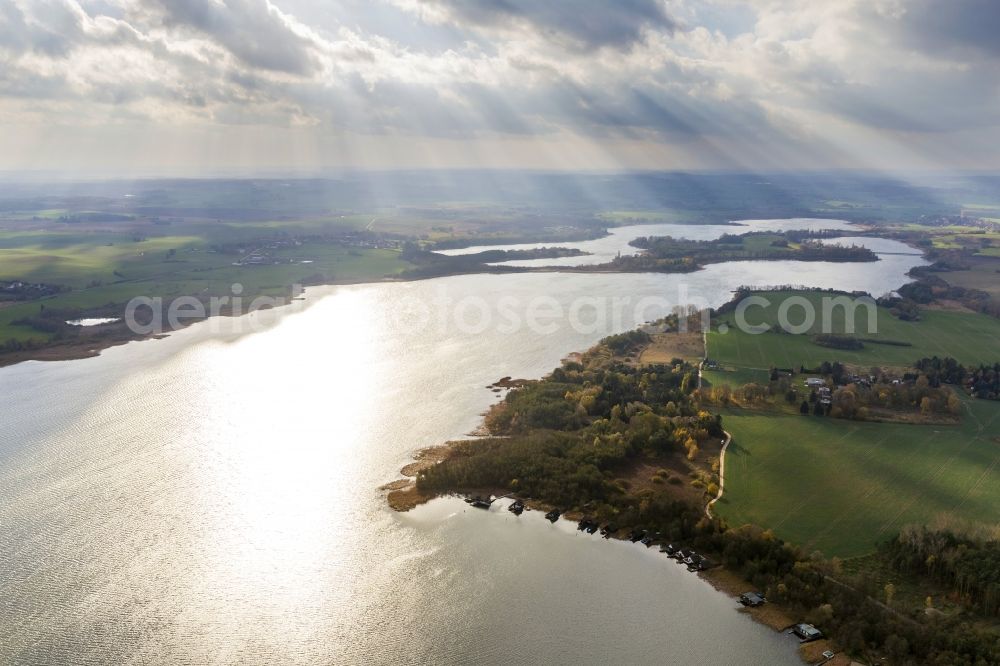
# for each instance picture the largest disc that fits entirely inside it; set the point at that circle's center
(103, 268)
(841, 487)
(970, 338)
(735, 376)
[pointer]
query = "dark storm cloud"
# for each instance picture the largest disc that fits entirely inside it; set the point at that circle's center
(625, 108)
(933, 103)
(932, 69)
(401, 106)
(599, 71)
(252, 30)
(616, 109)
(589, 24)
(953, 25)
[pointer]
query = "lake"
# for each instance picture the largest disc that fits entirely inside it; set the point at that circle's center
(212, 496)
(604, 249)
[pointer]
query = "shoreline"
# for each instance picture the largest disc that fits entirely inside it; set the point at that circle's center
(771, 615)
(92, 346)
(402, 495)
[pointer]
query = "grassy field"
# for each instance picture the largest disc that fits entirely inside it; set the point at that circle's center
(971, 338)
(665, 347)
(103, 267)
(973, 239)
(841, 487)
(735, 376)
(182, 238)
(626, 217)
(983, 274)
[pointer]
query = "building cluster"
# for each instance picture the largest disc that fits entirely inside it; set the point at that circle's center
(263, 253)
(19, 290)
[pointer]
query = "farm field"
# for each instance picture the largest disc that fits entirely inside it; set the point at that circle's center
(841, 487)
(983, 274)
(826, 483)
(970, 338)
(734, 376)
(104, 243)
(101, 274)
(954, 237)
(665, 347)
(626, 217)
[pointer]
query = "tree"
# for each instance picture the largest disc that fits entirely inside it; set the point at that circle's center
(689, 383)
(846, 401)
(753, 392)
(897, 647)
(722, 394)
(821, 615)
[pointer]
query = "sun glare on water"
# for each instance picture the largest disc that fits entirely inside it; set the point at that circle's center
(282, 419)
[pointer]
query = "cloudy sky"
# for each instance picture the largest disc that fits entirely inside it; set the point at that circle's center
(202, 86)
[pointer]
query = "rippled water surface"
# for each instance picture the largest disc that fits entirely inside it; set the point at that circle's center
(211, 497)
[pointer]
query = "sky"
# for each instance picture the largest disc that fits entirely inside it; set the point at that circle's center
(199, 87)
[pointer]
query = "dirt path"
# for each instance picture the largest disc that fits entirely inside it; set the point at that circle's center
(722, 475)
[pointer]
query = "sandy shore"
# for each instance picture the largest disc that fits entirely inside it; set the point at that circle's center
(769, 614)
(774, 616)
(402, 493)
